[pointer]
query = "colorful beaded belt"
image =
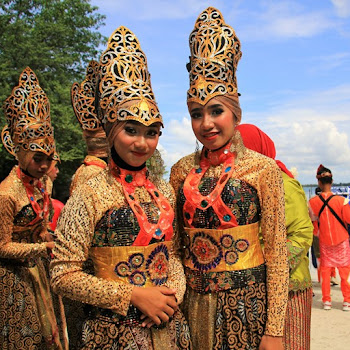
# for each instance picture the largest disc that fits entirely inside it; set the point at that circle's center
(213, 282)
(137, 265)
(232, 249)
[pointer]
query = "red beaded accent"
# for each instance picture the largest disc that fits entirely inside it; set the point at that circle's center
(195, 200)
(130, 180)
(29, 183)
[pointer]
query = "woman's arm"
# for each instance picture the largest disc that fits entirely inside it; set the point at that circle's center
(273, 228)
(298, 223)
(74, 231)
(8, 248)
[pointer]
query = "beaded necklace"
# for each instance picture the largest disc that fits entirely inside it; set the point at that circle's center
(130, 180)
(29, 183)
(195, 200)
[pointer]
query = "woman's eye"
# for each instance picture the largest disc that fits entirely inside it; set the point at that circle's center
(217, 111)
(130, 130)
(153, 133)
(195, 115)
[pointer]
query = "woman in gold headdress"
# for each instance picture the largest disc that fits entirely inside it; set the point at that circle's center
(236, 294)
(83, 102)
(27, 317)
(123, 220)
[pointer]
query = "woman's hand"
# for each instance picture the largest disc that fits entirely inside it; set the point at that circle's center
(50, 245)
(269, 342)
(156, 303)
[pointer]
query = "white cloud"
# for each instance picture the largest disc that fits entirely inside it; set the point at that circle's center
(285, 20)
(177, 141)
(342, 7)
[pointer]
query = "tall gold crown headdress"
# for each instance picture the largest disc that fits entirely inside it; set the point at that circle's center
(27, 112)
(125, 86)
(215, 52)
(83, 99)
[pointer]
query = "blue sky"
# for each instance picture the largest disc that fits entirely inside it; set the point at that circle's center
(294, 75)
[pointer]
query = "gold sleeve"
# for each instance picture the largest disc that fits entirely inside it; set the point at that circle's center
(74, 234)
(177, 279)
(271, 194)
(8, 248)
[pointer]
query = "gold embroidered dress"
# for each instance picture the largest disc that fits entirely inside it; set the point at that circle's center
(226, 276)
(25, 300)
(98, 223)
(91, 167)
(27, 315)
(120, 220)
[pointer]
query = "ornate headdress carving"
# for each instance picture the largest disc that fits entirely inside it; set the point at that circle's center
(27, 112)
(215, 52)
(125, 86)
(83, 99)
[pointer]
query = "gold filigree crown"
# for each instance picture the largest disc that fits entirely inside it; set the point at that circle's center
(215, 53)
(83, 99)
(125, 86)
(27, 112)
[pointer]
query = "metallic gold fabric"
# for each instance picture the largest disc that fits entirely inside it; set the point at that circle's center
(75, 235)
(122, 263)
(125, 86)
(232, 249)
(215, 52)
(251, 170)
(85, 172)
(27, 112)
(28, 318)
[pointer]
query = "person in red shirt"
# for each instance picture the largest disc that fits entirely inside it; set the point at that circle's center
(330, 215)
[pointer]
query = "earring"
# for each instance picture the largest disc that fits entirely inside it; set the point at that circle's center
(197, 153)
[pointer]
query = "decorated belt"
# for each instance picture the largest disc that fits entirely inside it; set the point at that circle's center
(233, 249)
(142, 266)
(213, 282)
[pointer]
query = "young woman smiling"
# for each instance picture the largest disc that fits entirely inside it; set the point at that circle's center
(123, 221)
(236, 292)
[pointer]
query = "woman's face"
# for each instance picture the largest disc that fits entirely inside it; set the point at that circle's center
(136, 143)
(39, 165)
(53, 172)
(213, 124)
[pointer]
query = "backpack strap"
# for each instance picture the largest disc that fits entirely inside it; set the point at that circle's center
(325, 204)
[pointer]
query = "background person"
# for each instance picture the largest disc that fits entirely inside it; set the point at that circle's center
(330, 215)
(83, 102)
(28, 319)
(299, 239)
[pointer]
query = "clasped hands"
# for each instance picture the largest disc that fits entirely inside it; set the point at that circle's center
(157, 304)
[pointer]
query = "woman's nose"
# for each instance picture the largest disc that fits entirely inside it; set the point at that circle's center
(207, 122)
(140, 142)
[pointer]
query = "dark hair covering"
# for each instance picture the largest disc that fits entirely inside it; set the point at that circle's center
(324, 175)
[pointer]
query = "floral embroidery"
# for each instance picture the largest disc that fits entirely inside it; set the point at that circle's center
(242, 245)
(136, 260)
(205, 252)
(226, 241)
(122, 269)
(231, 257)
(157, 265)
(137, 278)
